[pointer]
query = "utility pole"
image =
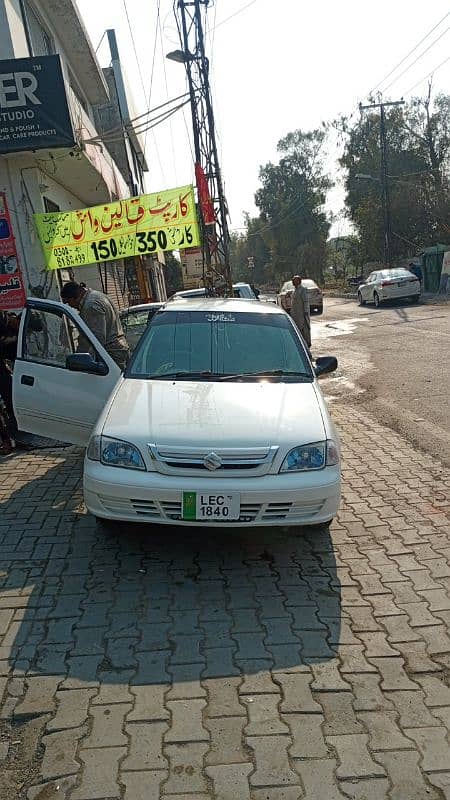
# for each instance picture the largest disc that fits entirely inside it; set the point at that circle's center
(384, 180)
(212, 204)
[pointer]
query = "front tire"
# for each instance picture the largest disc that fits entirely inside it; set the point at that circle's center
(360, 299)
(376, 300)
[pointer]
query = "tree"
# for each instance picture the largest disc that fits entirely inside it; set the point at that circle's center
(172, 271)
(418, 162)
(291, 201)
(250, 254)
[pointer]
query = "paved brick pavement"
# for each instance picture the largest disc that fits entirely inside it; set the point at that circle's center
(142, 663)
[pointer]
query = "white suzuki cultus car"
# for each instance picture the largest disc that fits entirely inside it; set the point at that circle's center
(218, 418)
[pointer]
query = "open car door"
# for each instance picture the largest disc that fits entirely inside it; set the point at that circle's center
(62, 376)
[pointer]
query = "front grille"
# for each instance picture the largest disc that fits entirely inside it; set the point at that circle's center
(250, 512)
(175, 460)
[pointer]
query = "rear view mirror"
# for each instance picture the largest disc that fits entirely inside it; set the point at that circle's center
(83, 362)
(325, 364)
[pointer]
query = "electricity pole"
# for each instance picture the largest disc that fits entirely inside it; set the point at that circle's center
(212, 204)
(384, 181)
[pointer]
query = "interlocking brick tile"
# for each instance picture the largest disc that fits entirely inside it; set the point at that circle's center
(376, 644)
(186, 725)
(99, 777)
(407, 781)
(146, 746)
(263, 715)
(434, 747)
(419, 615)
(223, 697)
(272, 763)
(220, 662)
(393, 674)
(296, 694)
(58, 789)
(327, 677)
(148, 703)
(399, 630)
(384, 733)
(339, 716)
(39, 696)
(114, 688)
(436, 691)
(60, 748)
(230, 781)
(318, 778)
(353, 659)
(307, 736)
(416, 658)
(108, 722)
(371, 789)
(72, 710)
(226, 741)
(186, 774)
(143, 785)
(354, 757)
(362, 619)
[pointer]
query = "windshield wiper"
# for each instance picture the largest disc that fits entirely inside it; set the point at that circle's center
(270, 373)
(182, 374)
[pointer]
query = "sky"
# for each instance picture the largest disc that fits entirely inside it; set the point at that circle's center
(275, 67)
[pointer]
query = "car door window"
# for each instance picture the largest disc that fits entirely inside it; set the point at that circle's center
(50, 336)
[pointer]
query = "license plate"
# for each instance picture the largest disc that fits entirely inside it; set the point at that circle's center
(204, 506)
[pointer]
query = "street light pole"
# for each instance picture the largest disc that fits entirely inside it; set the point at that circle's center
(384, 178)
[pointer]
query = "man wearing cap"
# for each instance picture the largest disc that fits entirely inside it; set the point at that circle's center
(101, 316)
(300, 309)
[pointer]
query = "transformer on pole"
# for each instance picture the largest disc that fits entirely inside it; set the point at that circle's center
(211, 198)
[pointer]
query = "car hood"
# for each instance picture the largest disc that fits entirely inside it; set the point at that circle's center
(215, 414)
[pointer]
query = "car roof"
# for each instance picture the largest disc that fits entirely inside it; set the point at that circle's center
(222, 304)
(142, 307)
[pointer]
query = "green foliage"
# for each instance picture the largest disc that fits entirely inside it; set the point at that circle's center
(291, 200)
(172, 271)
(418, 136)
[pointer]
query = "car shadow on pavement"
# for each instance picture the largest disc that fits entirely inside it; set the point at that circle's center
(108, 606)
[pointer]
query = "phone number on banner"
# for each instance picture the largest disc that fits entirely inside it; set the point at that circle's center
(139, 244)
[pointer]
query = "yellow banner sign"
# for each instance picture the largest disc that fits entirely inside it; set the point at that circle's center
(135, 227)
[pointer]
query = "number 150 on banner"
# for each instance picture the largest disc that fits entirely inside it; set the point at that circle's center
(128, 245)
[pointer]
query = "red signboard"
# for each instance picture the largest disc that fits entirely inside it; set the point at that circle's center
(12, 290)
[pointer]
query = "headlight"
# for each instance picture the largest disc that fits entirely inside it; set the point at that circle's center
(313, 456)
(115, 453)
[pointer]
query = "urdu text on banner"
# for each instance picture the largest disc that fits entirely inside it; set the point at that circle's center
(137, 226)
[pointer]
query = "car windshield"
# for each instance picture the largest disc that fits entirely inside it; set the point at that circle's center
(205, 345)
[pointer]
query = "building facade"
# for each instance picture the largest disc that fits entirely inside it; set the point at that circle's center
(78, 172)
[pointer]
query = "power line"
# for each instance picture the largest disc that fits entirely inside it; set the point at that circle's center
(408, 54)
(429, 75)
(159, 28)
(416, 59)
(153, 68)
(134, 46)
(239, 11)
(132, 122)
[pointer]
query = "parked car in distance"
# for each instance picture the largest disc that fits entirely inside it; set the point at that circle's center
(217, 420)
(389, 284)
(315, 294)
(241, 290)
(135, 320)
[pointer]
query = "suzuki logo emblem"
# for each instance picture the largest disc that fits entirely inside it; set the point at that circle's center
(212, 461)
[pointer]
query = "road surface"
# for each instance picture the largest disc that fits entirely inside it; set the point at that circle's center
(394, 362)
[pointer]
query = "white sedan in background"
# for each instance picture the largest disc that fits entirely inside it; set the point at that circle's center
(389, 284)
(217, 420)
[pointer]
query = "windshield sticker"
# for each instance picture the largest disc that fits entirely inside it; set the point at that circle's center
(220, 318)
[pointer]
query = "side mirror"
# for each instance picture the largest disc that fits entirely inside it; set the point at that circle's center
(325, 364)
(83, 362)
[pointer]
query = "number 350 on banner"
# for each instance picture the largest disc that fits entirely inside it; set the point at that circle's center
(137, 226)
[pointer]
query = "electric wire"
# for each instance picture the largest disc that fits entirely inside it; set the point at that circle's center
(408, 54)
(429, 75)
(159, 29)
(149, 98)
(239, 11)
(416, 60)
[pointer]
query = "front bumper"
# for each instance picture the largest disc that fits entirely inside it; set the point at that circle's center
(126, 495)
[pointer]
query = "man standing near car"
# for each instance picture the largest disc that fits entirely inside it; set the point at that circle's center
(101, 316)
(300, 309)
